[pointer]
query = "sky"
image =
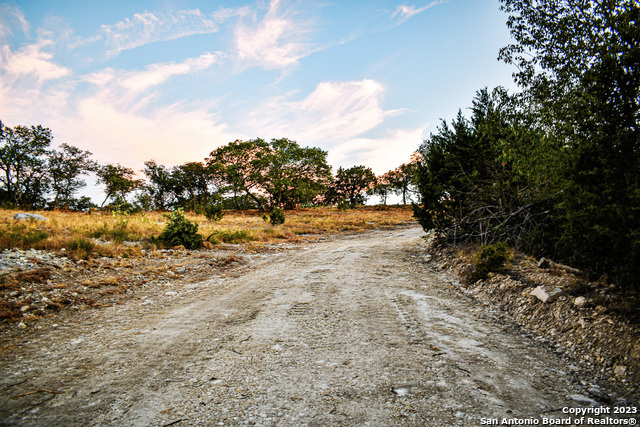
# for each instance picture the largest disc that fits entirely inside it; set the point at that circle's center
(131, 81)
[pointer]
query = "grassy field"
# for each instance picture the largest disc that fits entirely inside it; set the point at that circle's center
(83, 235)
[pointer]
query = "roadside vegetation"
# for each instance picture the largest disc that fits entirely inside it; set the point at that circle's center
(553, 170)
(83, 235)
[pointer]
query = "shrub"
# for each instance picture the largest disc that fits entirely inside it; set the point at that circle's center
(230, 236)
(179, 231)
(277, 216)
(343, 205)
(214, 211)
(491, 259)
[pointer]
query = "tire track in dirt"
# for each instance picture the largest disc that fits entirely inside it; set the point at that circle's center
(352, 331)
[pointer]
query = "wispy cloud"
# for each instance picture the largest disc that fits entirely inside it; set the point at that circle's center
(275, 41)
(10, 17)
(170, 135)
(334, 111)
(125, 131)
(28, 77)
(132, 90)
(381, 154)
(148, 27)
(156, 74)
(32, 60)
(338, 116)
(404, 12)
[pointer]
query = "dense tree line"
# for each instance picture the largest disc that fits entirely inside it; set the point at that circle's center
(554, 169)
(252, 174)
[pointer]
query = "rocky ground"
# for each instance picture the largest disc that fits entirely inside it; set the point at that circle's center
(37, 286)
(591, 323)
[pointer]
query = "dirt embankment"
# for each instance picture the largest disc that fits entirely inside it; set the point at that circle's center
(593, 324)
(355, 330)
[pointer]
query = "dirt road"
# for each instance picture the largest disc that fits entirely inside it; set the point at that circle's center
(357, 330)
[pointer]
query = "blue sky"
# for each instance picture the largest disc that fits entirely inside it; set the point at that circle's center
(131, 81)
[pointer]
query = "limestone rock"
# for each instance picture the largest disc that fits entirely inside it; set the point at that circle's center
(544, 263)
(28, 216)
(546, 296)
(580, 302)
(620, 370)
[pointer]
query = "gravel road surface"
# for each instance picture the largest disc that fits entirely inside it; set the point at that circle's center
(356, 330)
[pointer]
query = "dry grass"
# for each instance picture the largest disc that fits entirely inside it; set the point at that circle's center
(101, 234)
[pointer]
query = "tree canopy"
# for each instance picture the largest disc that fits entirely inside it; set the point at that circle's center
(554, 169)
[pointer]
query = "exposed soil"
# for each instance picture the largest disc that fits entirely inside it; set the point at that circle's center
(355, 330)
(592, 323)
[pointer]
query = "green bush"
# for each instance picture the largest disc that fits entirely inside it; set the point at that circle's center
(343, 205)
(491, 259)
(230, 236)
(214, 211)
(277, 216)
(179, 231)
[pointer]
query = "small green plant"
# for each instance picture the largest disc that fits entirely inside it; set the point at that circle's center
(343, 205)
(18, 236)
(277, 216)
(118, 233)
(80, 248)
(179, 231)
(265, 217)
(230, 236)
(491, 259)
(214, 211)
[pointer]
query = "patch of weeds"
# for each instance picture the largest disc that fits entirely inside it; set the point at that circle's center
(491, 259)
(230, 236)
(228, 260)
(34, 276)
(17, 236)
(80, 248)
(118, 233)
(9, 311)
(343, 205)
(7, 281)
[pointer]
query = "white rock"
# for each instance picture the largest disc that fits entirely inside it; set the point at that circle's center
(27, 216)
(580, 302)
(582, 399)
(541, 293)
(620, 370)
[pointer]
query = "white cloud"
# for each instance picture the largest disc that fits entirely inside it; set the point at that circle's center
(333, 112)
(147, 27)
(170, 135)
(335, 117)
(405, 12)
(380, 154)
(30, 77)
(156, 74)
(11, 16)
(31, 60)
(274, 42)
